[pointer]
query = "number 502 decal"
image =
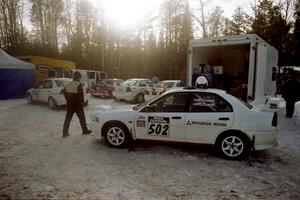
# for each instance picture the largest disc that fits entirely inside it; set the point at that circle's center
(158, 129)
(158, 126)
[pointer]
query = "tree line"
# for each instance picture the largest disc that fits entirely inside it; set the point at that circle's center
(75, 30)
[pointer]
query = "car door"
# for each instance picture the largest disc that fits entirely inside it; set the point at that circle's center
(163, 119)
(209, 114)
(45, 91)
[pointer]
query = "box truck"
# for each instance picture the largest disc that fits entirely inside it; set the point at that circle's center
(243, 65)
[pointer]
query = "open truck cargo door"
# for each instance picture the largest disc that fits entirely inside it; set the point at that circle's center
(265, 81)
(259, 78)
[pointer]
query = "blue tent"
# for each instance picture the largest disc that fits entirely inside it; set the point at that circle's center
(16, 77)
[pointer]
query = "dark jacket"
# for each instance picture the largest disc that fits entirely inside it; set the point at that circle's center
(291, 90)
(74, 95)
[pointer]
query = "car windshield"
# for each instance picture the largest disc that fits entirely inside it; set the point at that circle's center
(130, 82)
(109, 82)
(60, 83)
(167, 84)
(141, 105)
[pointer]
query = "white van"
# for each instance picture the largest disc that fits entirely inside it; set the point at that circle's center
(90, 76)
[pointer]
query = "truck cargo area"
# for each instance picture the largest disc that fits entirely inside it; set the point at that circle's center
(225, 66)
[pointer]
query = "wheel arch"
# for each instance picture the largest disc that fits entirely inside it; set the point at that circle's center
(235, 131)
(140, 93)
(29, 94)
(106, 124)
(52, 98)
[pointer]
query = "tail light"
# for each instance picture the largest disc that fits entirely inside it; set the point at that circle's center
(128, 89)
(62, 92)
(147, 92)
(275, 119)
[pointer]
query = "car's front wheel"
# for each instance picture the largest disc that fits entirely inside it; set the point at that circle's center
(139, 98)
(116, 135)
(233, 146)
(52, 103)
(29, 98)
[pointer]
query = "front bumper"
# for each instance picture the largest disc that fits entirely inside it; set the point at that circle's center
(101, 94)
(96, 129)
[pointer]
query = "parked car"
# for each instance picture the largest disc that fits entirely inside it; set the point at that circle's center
(105, 87)
(49, 91)
(152, 90)
(131, 90)
(204, 116)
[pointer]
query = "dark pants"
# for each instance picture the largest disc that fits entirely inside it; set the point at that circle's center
(69, 116)
(290, 106)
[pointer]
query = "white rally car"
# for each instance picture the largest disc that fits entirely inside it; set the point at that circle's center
(131, 90)
(153, 90)
(49, 91)
(206, 116)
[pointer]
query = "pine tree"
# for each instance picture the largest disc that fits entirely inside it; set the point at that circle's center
(270, 24)
(240, 23)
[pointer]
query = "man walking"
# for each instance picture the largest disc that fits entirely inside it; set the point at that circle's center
(74, 95)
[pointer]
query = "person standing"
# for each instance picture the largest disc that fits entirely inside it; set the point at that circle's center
(74, 95)
(155, 79)
(291, 94)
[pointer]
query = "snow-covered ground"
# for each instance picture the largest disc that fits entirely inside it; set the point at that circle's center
(36, 162)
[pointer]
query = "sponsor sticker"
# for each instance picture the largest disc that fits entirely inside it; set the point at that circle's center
(220, 124)
(140, 123)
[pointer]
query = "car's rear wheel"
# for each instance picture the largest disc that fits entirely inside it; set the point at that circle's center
(233, 146)
(139, 98)
(52, 103)
(116, 135)
(29, 98)
(116, 99)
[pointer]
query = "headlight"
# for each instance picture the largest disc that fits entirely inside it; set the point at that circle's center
(95, 118)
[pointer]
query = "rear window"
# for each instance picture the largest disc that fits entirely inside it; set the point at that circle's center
(109, 82)
(91, 75)
(168, 84)
(243, 102)
(60, 83)
(130, 82)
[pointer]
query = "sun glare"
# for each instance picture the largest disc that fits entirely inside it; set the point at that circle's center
(127, 13)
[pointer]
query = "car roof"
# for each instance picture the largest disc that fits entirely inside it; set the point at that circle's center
(165, 81)
(112, 79)
(139, 78)
(212, 90)
(61, 79)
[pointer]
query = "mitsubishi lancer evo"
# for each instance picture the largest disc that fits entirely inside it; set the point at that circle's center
(201, 116)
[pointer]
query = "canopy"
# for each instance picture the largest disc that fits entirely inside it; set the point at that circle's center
(16, 76)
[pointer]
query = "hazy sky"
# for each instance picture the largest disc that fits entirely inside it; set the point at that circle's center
(128, 12)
